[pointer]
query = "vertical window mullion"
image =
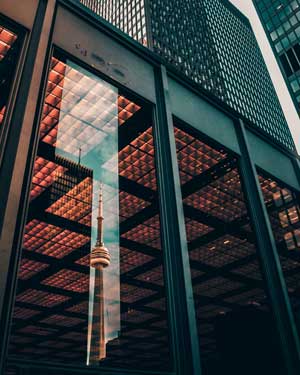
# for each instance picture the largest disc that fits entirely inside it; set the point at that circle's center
(269, 258)
(183, 327)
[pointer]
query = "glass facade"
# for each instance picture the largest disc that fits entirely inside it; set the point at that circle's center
(137, 241)
(282, 203)
(213, 44)
(91, 283)
(281, 20)
(234, 321)
(127, 15)
(177, 37)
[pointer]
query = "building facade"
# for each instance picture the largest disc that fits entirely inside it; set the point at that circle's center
(281, 21)
(213, 44)
(102, 143)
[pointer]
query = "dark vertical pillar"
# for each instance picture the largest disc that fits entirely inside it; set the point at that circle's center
(15, 163)
(182, 319)
(268, 255)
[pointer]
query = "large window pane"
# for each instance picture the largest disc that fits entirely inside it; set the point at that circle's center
(283, 208)
(94, 191)
(235, 325)
(9, 51)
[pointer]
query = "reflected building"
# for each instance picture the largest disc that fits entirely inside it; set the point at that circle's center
(100, 259)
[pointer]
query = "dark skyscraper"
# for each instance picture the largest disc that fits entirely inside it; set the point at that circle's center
(213, 44)
(147, 227)
(281, 21)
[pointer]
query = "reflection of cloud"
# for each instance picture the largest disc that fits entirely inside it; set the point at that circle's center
(88, 113)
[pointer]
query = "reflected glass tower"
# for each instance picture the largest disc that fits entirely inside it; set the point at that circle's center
(281, 21)
(213, 44)
(100, 259)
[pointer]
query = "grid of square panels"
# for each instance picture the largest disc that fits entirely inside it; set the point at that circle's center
(127, 15)
(131, 204)
(57, 237)
(222, 251)
(131, 294)
(221, 199)
(29, 268)
(137, 160)
(75, 204)
(68, 280)
(41, 298)
(284, 213)
(224, 265)
(69, 93)
(7, 39)
(130, 259)
(52, 240)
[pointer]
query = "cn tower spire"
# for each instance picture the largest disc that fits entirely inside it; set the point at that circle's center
(100, 259)
(100, 219)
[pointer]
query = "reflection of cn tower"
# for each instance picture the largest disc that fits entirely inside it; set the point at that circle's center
(100, 259)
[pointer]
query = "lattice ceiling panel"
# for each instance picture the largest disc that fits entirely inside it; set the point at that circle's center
(136, 161)
(54, 344)
(52, 240)
(216, 286)
(289, 264)
(130, 204)
(69, 280)
(131, 294)
(222, 251)
(7, 39)
(44, 173)
(41, 298)
(221, 199)
(210, 311)
(69, 93)
(154, 276)
(84, 261)
(269, 188)
(37, 330)
(76, 203)
(145, 235)
(135, 316)
(194, 156)
(79, 308)
(195, 229)
(139, 333)
(254, 295)
(250, 270)
(159, 304)
(61, 320)
(29, 268)
(130, 259)
(24, 313)
(74, 336)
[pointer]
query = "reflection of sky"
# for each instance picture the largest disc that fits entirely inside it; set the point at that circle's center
(89, 122)
(88, 114)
